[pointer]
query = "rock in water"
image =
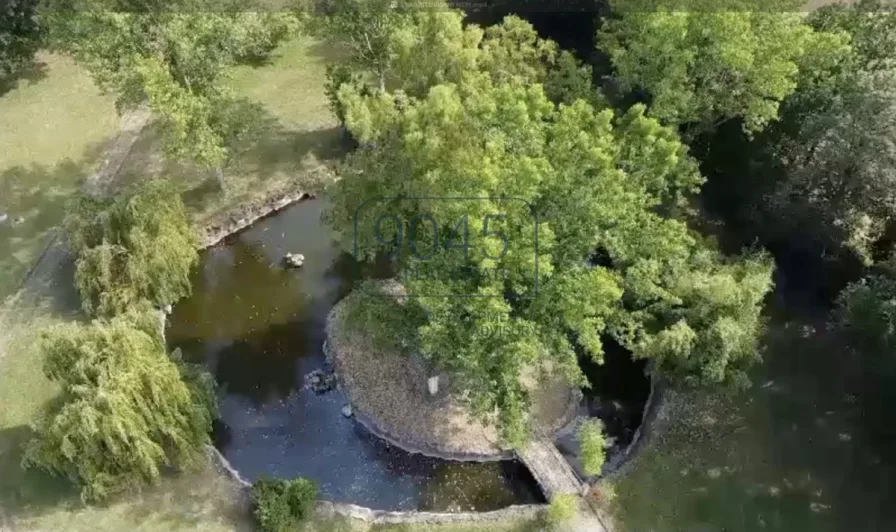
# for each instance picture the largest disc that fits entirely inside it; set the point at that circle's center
(347, 410)
(3, 217)
(294, 260)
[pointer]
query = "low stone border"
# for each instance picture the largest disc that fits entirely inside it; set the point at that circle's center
(240, 219)
(368, 515)
(516, 512)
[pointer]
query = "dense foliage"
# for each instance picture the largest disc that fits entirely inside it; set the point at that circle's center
(602, 184)
(410, 49)
(866, 310)
(173, 55)
(282, 505)
(837, 144)
(705, 61)
(21, 34)
(138, 246)
(125, 410)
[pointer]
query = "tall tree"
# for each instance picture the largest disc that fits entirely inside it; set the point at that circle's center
(412, 49)
(602, 185)
(704, 62)
(138, 246)
(173, 55)
(125, 410)
(837, 140)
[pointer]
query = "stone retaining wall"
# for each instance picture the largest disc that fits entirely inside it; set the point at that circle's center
(242, 217)
(511, 513)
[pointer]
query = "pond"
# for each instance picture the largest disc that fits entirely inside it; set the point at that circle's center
(259, 328)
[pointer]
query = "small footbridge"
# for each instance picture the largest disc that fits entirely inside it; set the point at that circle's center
(555, 476)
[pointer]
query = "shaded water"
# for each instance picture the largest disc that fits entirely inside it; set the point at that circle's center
(618, 396)
(259, 328)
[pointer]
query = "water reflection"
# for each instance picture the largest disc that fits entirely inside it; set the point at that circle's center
(260, 328)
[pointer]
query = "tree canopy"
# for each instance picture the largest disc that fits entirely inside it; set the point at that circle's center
(602, 184)
(125, 410)
(173, 55)
(405, 48)
(704, 61)
(137, 246)
(837, 142)
(21, 33)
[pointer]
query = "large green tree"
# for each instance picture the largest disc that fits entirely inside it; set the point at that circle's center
(137, 246)
(837, 141)
(408, 48)
(610, 258)
(703, 62)
(174, 56)
(126, 410)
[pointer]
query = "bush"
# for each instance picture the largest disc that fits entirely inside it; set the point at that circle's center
(124, 412)
(591, 438)
(866, 310)
(281, 505)
(562, 509)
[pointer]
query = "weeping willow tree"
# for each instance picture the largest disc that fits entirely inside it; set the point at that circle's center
(138, 246)
(126, 409)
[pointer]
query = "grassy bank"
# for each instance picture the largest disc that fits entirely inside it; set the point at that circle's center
(805, 449)
(55, 126)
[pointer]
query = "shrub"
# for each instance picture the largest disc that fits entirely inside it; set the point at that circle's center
(866, 310)
(281, 505)
(591, 438)
(563, 508)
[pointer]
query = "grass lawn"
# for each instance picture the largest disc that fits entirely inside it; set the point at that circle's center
(806, 449)
(54, 126)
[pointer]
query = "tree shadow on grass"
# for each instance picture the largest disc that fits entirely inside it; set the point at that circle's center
(34, 200)
(270, 158)
(31, 497)
(831, 410)
(27, 492)
(35, 72)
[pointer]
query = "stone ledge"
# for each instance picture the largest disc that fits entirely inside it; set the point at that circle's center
(516, 512)
(241, 218)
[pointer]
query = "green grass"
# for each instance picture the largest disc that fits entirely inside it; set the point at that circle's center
(54, 126)
(805, 449)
